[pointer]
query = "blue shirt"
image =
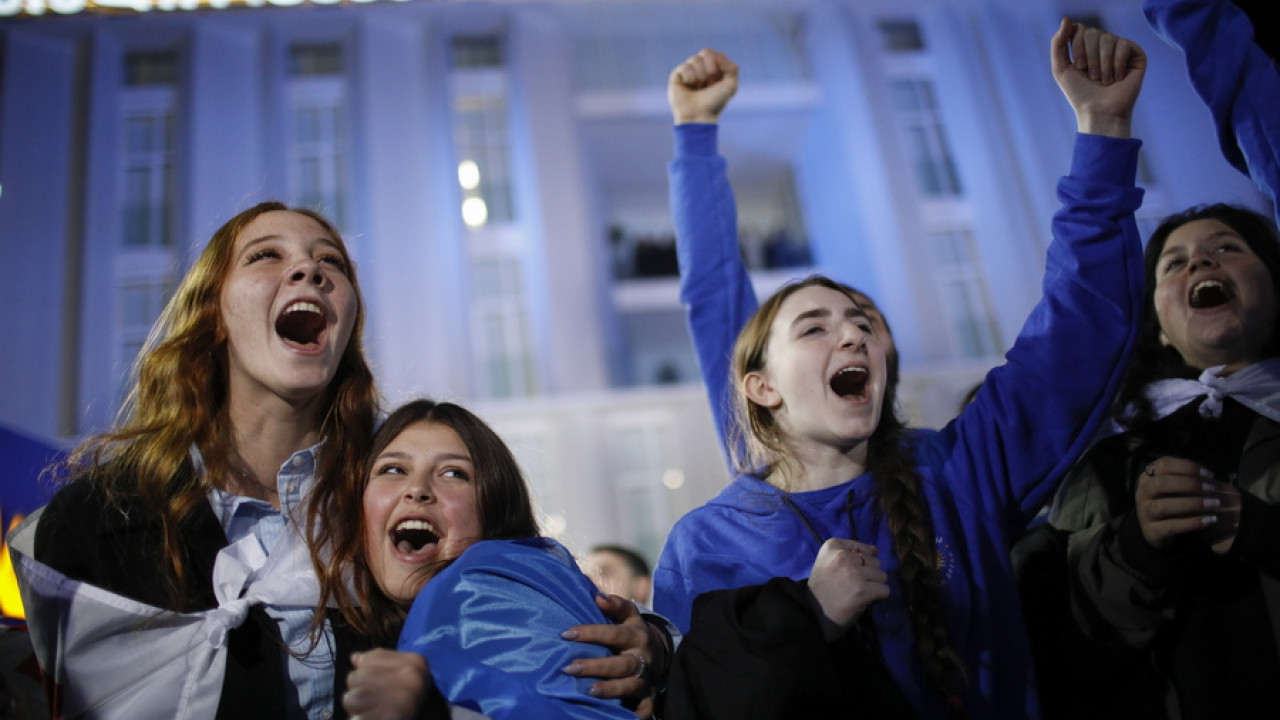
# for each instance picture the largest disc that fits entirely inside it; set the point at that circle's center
(311, 673)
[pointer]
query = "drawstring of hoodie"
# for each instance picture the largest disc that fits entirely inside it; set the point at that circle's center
(866, 628)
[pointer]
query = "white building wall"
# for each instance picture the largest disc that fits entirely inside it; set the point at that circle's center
(581, 160)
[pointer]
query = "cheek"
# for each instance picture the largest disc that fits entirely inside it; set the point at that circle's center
(464, 518)
(1165, 299)
(374, 516)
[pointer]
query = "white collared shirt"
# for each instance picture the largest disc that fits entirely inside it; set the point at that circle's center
(311, 691)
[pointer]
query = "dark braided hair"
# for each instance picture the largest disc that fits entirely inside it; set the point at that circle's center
(759, 446)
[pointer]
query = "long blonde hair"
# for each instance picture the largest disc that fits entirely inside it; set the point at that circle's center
(178, 400)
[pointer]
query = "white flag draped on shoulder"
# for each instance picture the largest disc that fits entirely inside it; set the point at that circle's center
(113, 657)
(118, 659)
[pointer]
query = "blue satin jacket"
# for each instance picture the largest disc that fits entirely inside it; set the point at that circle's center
(490, 624)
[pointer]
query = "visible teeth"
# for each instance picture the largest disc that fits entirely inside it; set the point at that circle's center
(303, 306)
(416, 525)
(849, 381)
(1209, 293)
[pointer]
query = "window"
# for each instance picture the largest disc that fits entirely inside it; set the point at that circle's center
(146, 259)
(478, 51)
(480, 137)
(901, 36)
(147, 149)
(140, 303)
(963, 294)
(317, 141)
(925, 136)
(500, 343)
(645, 466)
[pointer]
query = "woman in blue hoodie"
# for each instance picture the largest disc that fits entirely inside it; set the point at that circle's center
(906, 533)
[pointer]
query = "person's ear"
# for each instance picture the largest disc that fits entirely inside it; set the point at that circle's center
(760, 390)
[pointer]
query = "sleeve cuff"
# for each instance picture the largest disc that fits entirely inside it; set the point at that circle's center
(1152, 566)
(696, 139)
(1106, 159)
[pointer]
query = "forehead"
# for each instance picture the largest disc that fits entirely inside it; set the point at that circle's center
(607, 558)
(816, 297)
(282, 224)
(1196, 231)
(428, 438)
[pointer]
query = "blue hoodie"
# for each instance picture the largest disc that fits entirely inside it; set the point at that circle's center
(984, 476)
(1238, 82)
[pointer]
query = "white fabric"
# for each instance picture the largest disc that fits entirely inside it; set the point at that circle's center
(117, 658)
(1257, 387)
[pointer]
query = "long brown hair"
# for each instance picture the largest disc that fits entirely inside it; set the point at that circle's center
(502, 503)
(178, 400)
(761, 448)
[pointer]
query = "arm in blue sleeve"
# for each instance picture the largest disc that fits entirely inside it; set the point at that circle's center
(714, 285)
(489, 626)
(1233, 76)
(1038, 412)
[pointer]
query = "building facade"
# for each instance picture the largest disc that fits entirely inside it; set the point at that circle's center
(499, 172)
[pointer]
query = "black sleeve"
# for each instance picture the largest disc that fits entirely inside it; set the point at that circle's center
(758, 653)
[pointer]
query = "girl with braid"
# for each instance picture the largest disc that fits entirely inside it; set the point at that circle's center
(854, 566)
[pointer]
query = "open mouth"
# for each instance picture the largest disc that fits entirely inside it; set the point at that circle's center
(302, 323)
(850, 382)
(1210, 294)
(411, 536)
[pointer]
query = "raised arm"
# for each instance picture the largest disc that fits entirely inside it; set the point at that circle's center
(1037, 413)
(1233, 76)
(1100, 74)
(714, 286)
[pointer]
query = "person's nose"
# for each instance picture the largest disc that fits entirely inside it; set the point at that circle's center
(1201, 260)
(307, 271)
(852, 335)
(418, 491)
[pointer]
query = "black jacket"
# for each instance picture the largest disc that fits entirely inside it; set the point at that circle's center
(758, 653)
(120, 549)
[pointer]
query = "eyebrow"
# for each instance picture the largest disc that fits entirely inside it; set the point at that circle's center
(275, 236)
(1221, 233)
(398, 455)
(854, 311)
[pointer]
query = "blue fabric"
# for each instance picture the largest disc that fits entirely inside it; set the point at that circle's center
(984, 475)
(1233, 76)
(490, 624)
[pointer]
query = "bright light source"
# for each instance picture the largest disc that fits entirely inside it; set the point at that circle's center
(10, 600)
(673, 478)
(474, 212)
(468, 175)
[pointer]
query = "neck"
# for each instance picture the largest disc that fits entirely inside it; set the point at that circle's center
(264, 437)
(816, 466)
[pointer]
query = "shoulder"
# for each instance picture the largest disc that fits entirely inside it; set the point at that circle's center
(511, 568)
(505, 582)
